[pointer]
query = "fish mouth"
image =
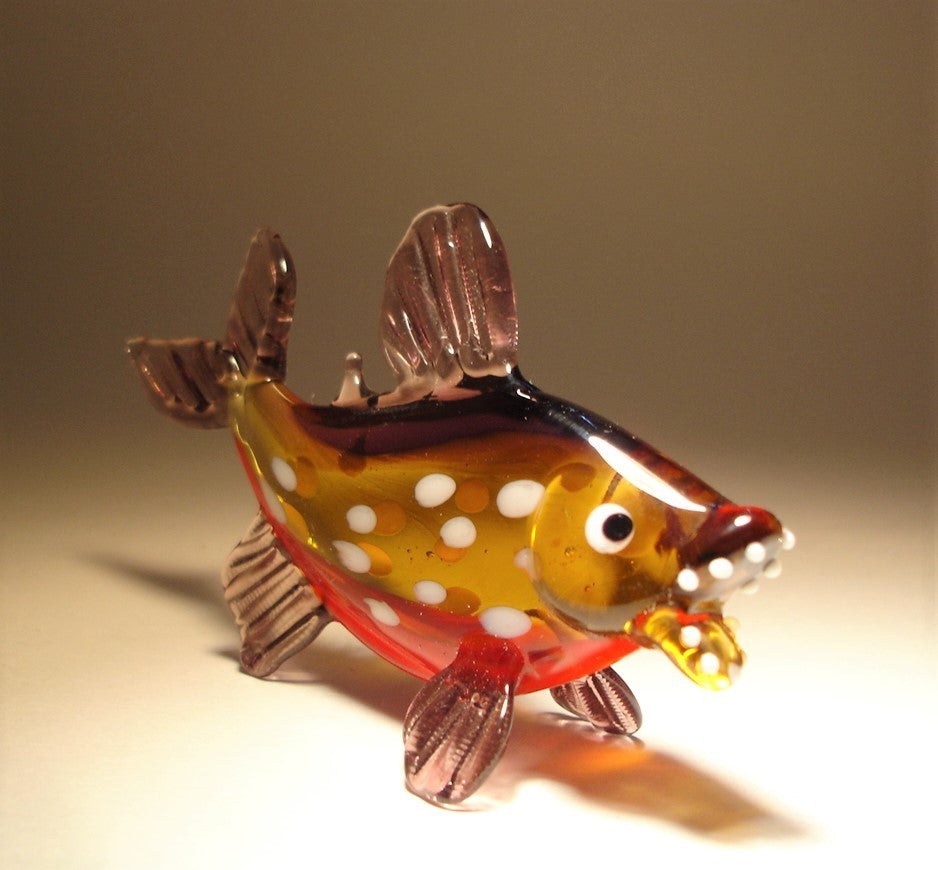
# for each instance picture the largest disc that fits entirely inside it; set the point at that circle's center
(703, 646)
(738, 561)
(732, 550)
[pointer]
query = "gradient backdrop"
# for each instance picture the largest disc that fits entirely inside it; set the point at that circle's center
(722, 225)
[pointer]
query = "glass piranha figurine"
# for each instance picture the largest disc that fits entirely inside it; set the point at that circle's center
(474, 531)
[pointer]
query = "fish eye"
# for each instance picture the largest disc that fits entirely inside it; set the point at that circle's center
(609, 528)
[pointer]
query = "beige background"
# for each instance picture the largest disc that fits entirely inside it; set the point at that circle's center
(722, 225)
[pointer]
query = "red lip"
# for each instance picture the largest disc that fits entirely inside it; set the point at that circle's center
(728, 530)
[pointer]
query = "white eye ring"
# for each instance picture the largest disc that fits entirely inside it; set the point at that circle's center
(609, 528)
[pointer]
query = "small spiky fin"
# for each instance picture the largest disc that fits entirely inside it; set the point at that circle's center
(187, 379)
(449, 303)
(275, 607)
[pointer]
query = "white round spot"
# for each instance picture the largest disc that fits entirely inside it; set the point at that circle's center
(755, 553)
(382, 612)
(688, 580)
(772, 570)
(720, 568)
(519, 498)
(429, 592)
(274, 508)
(691, 636)
(459, 532)
(751, 588)
(524, 559)
(352, 557)
(285, 475)
(361, 519)
(505, 621)
(788, 539)
(709, 664)
(434, 489)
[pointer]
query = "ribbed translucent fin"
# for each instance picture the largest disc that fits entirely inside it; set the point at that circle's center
(449, 302)
(184, 379)
(274, 605)
(457, 727)
(603, 699)
(187, 379)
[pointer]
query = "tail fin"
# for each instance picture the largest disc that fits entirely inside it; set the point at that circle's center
(187, 379)
(260, 318)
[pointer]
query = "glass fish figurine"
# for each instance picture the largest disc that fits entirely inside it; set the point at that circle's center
(474, 531)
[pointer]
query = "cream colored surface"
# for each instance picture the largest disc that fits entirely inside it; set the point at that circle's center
(130, 739)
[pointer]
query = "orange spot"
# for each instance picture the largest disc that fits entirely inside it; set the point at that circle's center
(295, 522)
(380, 561)
(576, 475)
(449, 554)
(472, 496)
(460, 601)
(351, 463)
(391, 518)
(307, 481)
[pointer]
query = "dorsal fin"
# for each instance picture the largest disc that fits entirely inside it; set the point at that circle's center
(449, 303)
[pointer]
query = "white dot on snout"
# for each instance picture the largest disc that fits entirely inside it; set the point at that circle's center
(720, 568)
(772, 570)
(688, 580)
(755, 553)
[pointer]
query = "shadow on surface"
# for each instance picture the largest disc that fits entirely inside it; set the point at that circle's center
(616, 773)
(624, 774)
(200, 587)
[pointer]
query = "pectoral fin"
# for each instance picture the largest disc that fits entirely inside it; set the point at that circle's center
(603, 699)
(457, 727)
(704, 649)
(275, 607)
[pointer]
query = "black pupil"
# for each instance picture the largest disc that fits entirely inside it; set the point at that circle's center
(618, 527)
